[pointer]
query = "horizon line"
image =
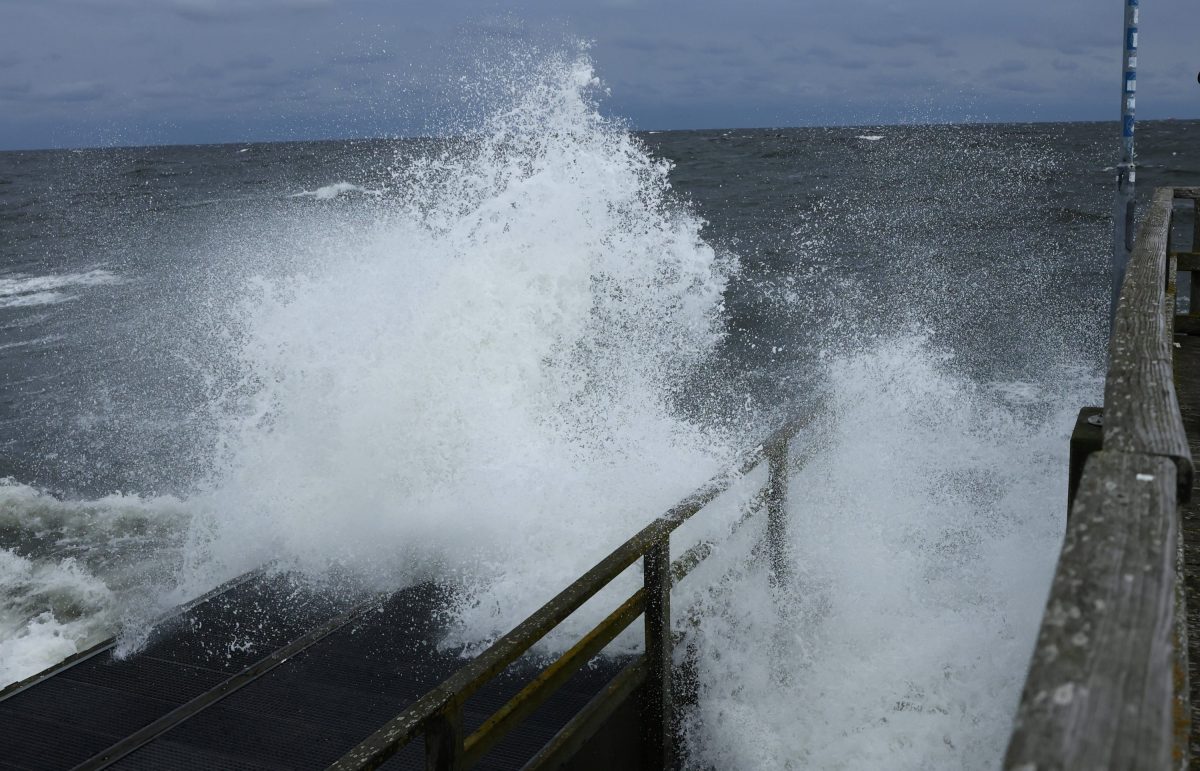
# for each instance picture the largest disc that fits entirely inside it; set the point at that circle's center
(435, 137)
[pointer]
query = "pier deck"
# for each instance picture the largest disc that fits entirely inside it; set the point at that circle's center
(316, 678)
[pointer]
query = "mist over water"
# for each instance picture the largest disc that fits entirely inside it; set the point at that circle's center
(489, 360)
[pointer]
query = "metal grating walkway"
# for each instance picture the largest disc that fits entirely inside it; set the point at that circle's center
(295, 709)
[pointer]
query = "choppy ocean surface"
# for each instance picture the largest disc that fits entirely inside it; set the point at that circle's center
(381, 361)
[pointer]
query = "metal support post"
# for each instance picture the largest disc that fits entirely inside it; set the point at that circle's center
(1123, 204)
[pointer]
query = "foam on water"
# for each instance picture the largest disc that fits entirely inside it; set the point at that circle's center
(329, 192)
(84, 568)
(19, 290)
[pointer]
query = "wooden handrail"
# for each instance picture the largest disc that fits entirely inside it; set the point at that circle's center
(1141, 410)
(439, 712)
(1101, 692)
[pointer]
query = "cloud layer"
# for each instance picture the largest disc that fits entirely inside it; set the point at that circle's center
(88, 72)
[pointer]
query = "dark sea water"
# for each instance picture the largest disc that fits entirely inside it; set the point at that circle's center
(103, 250)
(940, 293)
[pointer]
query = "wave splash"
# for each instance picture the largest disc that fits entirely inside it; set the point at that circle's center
(924, 530)
(479, 383)
(474, 382)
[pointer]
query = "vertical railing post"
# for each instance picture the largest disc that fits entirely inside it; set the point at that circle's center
(444, 740)
(1194, 291)
(777, 461)
(658, 719)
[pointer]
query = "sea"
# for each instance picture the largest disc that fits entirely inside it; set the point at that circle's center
(488, 357)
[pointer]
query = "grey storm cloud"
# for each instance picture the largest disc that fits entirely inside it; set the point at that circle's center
(240, 10)
(231, 70)
(84, 91)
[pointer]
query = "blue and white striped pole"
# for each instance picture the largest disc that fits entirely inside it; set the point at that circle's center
(1126, 172)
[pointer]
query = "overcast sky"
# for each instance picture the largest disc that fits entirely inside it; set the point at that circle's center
(102, 72)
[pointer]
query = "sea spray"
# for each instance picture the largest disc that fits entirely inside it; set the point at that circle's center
(923, 529)
(479, 385)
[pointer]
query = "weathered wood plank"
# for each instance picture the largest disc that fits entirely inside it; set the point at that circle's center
(1187, 380)
(1100, 691)
(1141, 414)
(1169, 302)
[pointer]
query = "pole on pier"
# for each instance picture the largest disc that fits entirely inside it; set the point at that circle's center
(1123, 205)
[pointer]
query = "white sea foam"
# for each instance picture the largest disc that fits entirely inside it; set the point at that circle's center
(337, 189)
(97, 563)
(34, 298)
(20, 290)
(870, 137)
(51, 609)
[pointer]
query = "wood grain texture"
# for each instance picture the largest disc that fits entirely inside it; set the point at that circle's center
(1169, 301)
(1141, 414)
(1100, 692)
(1187, 378)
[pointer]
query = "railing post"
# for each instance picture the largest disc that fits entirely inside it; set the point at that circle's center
(1194, 291)
(444, 740)
(777, 457)
(658, 718)
(1087, 438)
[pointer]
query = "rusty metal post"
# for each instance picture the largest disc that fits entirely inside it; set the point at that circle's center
(444, 740)
(658, 709)
(777, 457)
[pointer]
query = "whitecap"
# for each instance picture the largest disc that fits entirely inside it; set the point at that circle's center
(337, 189)
(21, 290)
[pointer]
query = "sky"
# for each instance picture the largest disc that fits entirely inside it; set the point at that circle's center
(126, 72)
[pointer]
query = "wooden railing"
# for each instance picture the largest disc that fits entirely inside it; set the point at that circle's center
(1107, 684)
(438, 715)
